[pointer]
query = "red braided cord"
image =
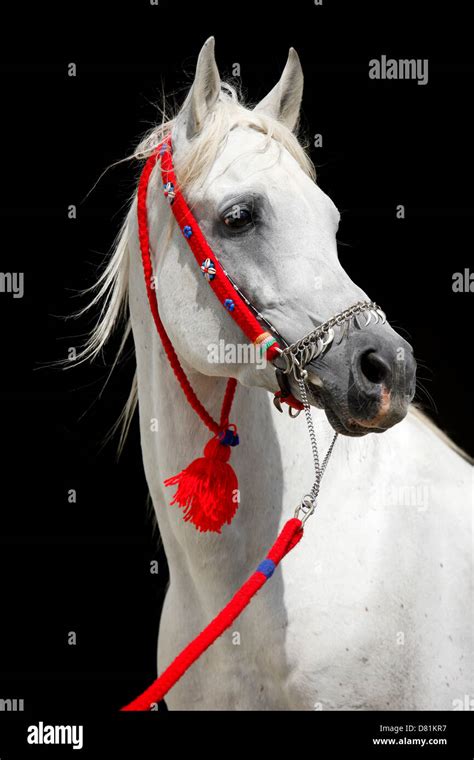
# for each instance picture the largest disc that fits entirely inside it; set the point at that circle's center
(168, 346)
(227, 402)
(290, 535)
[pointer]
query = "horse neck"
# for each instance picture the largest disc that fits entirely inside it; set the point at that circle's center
(172, 436)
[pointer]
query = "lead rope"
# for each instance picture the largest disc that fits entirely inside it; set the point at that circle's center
(290, 535)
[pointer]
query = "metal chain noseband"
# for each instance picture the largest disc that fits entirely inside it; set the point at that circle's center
(294, 358)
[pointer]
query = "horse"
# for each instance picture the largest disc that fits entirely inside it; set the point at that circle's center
(370, 611)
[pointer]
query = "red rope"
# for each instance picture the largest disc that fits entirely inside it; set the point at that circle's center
(290, 535)
(188, 390)
(227, 403)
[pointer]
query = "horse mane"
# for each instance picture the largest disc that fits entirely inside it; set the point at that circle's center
(110, 292)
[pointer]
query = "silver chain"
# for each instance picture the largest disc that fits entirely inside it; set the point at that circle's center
(319, 340)
(309, 502)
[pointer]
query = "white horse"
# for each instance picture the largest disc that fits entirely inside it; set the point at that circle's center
(372, 609)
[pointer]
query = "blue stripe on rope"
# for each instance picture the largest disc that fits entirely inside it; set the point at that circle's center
(267, 566)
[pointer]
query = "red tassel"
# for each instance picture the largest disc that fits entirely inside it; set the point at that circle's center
(208, 489)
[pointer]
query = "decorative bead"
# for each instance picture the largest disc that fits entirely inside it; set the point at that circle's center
(229, 304)
(273, 351)
(263, 336)
(229, 438)
(208, 268)
(187, 231)
(168, 190)
(264, 342)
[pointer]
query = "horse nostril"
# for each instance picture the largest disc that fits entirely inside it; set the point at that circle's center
(374, 367)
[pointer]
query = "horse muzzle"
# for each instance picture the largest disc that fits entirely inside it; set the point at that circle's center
(368, 385)
(363, 377)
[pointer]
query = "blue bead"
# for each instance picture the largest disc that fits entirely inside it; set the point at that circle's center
(267, 567)
(187, 231)
(229, 304)
(229, 438)
(225, 438)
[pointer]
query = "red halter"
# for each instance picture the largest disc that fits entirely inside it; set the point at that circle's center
(207, 488)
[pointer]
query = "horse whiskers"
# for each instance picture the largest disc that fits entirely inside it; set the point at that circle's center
(427, 394)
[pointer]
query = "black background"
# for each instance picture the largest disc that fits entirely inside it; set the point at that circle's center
(85, 566)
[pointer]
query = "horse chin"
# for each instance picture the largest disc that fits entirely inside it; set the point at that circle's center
(343, 423)
(340, 421)
(348, 427)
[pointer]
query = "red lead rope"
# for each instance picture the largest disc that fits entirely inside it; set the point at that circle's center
(290, 535)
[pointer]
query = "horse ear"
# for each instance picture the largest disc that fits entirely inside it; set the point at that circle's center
(284, 101)
(203, 94)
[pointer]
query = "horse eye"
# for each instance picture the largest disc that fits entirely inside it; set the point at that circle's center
(238, 217)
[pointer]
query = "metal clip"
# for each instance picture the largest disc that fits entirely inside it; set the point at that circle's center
(293, 412)
(307, 507)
